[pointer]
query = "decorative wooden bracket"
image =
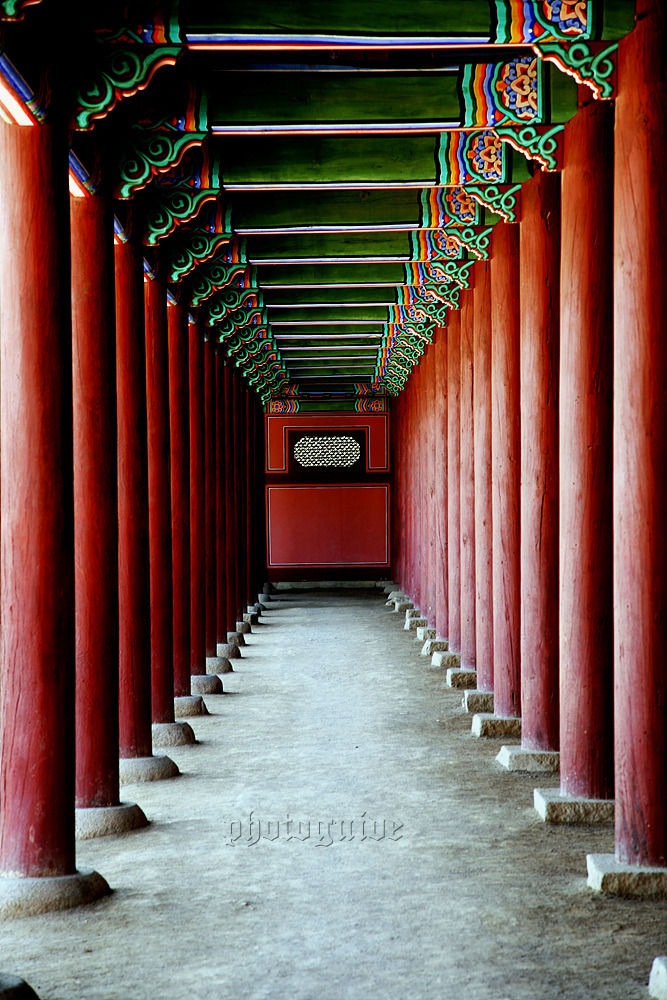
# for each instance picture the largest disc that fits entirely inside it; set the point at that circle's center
(152, 152)
(13, 10)
(540, 144)
(123, 72)
(199, 247)
(171, 207)
(592, 64)
(505, 202)
(476, 242)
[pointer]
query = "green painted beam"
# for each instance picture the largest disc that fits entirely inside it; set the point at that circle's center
(263, 210)
(315, 332)
(348, 17)
(331, 274)
(341, 296)
(327, 159)
(278, 317)
(246, 98)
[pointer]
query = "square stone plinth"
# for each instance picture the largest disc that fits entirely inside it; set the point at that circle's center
(477, 701)
(459, 677)
(606, 874)
(432, 646)
(412, 624)
(494, 726)
(529, 761)
(554, 807)
(400, 606)
(446, 659)
(657, 984)
(425, 632)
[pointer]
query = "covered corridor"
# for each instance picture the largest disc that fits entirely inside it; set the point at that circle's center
(332, 713)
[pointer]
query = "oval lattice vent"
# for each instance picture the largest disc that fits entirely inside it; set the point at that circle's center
(340, 451)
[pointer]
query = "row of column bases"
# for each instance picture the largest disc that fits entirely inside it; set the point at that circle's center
(530, 455)
(131, 500)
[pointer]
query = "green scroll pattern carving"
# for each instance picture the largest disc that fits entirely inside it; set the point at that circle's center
(151, 152)
(173, 206)
(200, 247)
(123, 72)
(535, 144)
(578, 60)
(503, 202)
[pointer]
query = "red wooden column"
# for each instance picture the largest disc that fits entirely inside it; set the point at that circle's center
(440, 484)
(224, 496)
(37, 552)
(232, 467)
(239, 494)
(200, 682)
(260, 513)
(166, 732)
(133, 540)
(214, 515)
(179, 438)
(539, 345)
(482, 481)
(467, 465)
(248, 599)
(640, 444)
(429, 483)
(454, 480)
(586, 565)
(506, 444)
(96, 522)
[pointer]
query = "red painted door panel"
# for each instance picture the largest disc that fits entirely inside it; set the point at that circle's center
(327, 525)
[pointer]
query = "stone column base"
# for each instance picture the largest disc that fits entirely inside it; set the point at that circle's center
(205, 684)
(264, 598)
(228, 650)
(529, 761)
(26, 897)
(445, 658)
(102, 821)
(657, 984)
(425, 632)
(412, 624)
(243, 627)
(218, 665)
(554, 807)
(477, 701)
(606, 874)
(187, 705)
(432, 646)
(388, 588)
(459, 677)
(15, 988)
(236, 638)
(155, 768)
(485, 724)
(400, 606)
(172, 734)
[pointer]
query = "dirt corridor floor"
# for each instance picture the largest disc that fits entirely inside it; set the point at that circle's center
(338, 834)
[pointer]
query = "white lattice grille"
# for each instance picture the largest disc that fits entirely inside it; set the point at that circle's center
(332, 452)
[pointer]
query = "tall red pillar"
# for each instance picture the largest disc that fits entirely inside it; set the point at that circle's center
(454, 479)
(233, 471)
(197, 501)
(248, 599)
(440, 484)
(506, 444)
(239, 497)
(99, 810)
(133, 575)
(428, 392)
(482, 478)
(586, 565)
(200, 681)
(215, 513)
(95, 501)
(166, 732)
(467, 465)
(640, 444)
(159, 500)
(539, 345)
(179, 437)
(37, 553)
